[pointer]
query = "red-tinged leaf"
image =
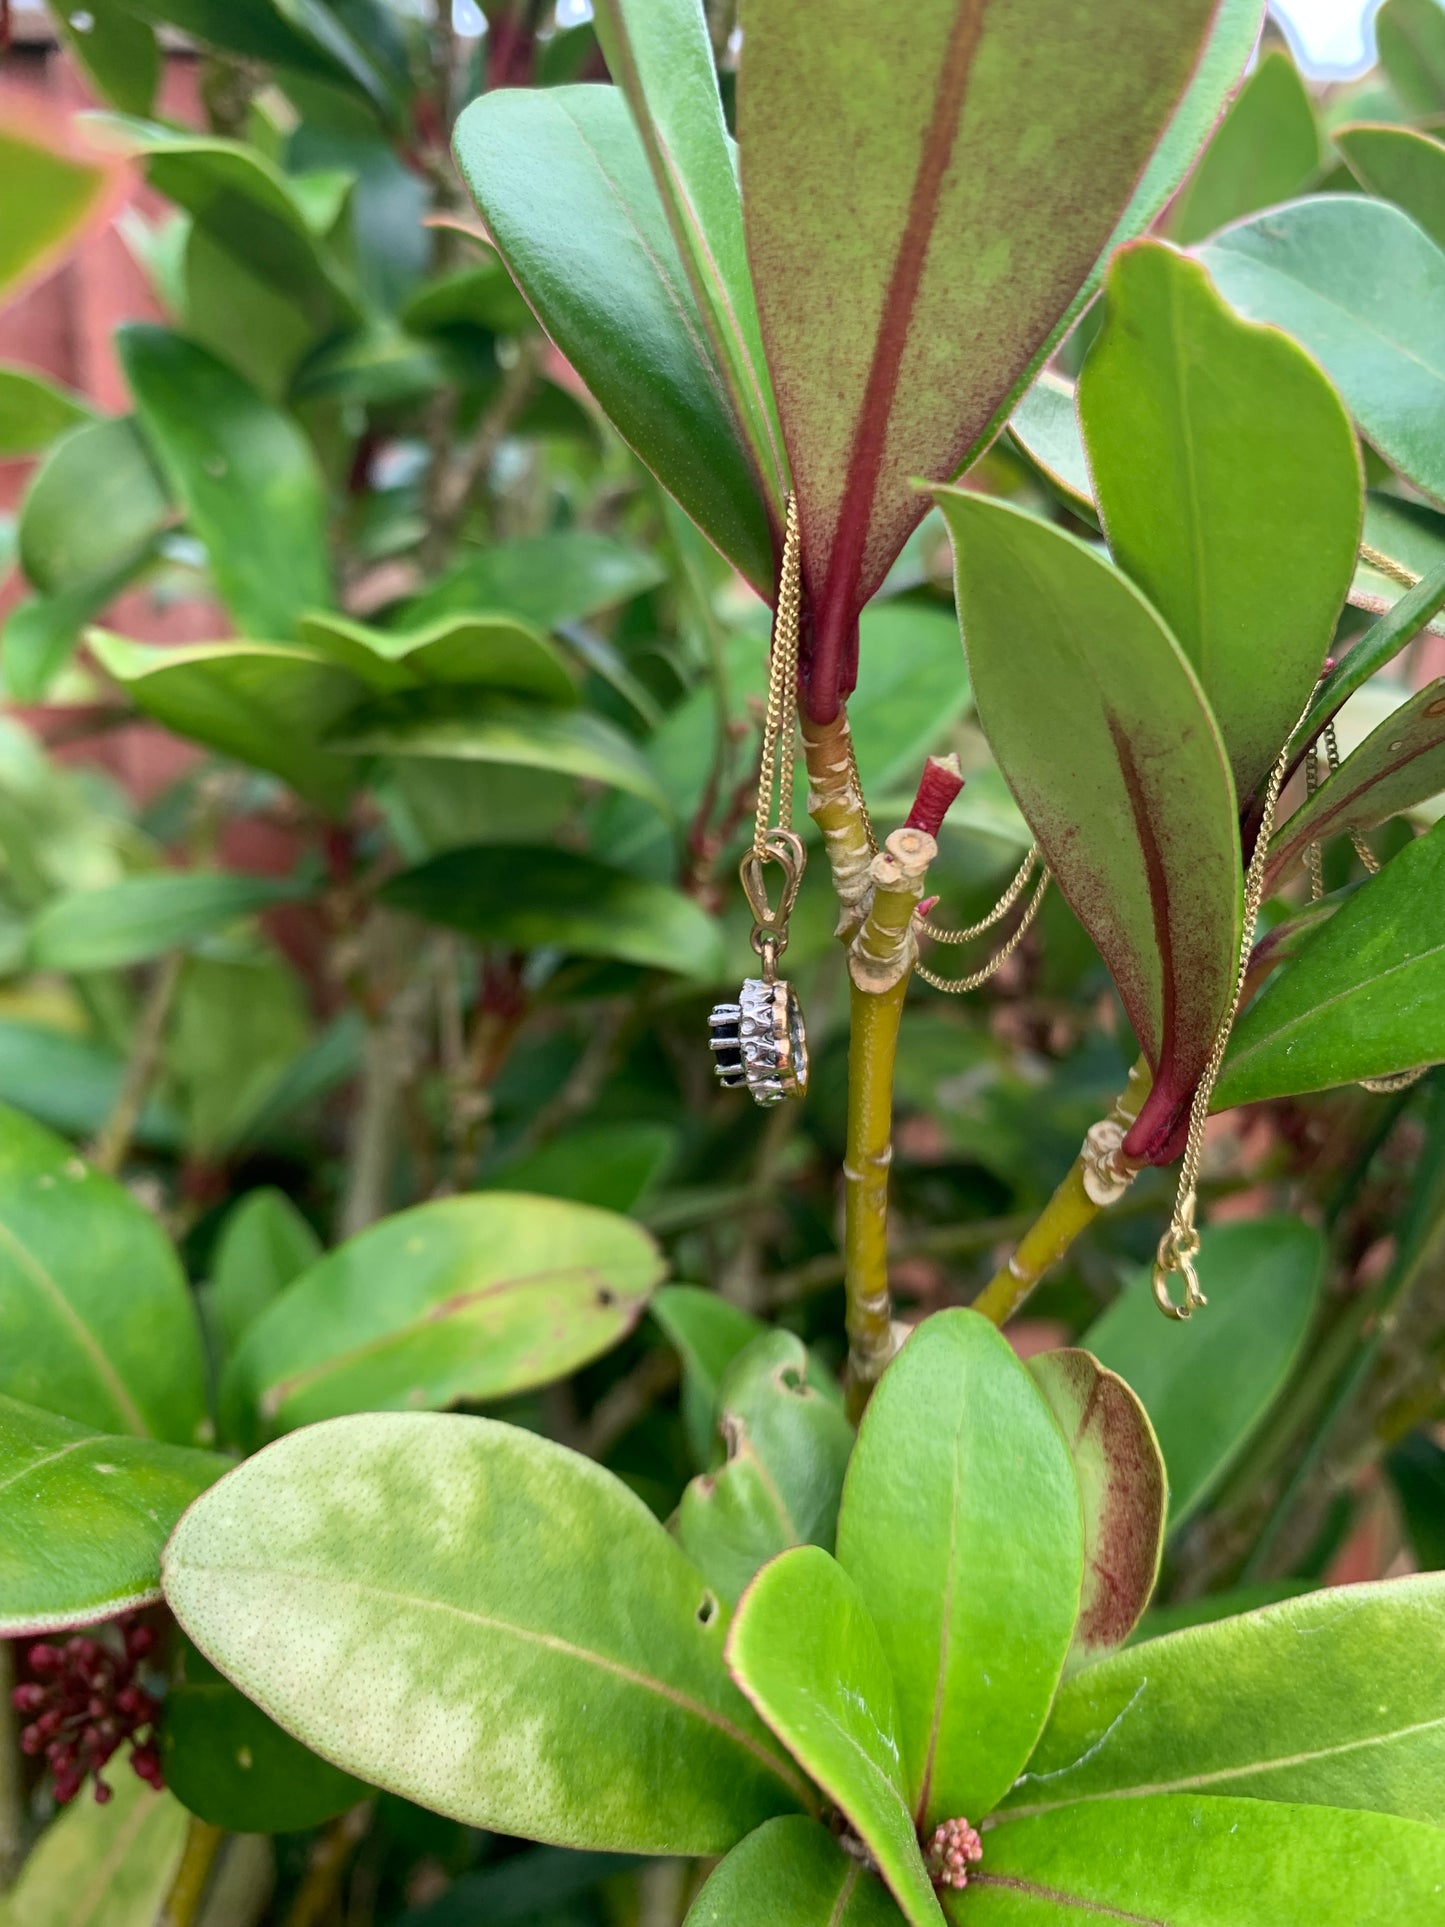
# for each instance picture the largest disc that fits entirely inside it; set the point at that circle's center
(1400, 764)
(54, 191)
(1124, 1489)
(1103, 734)
(922, 207)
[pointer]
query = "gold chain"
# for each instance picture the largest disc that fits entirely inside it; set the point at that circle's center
(941, 934)
(957, 985)
(780, 725)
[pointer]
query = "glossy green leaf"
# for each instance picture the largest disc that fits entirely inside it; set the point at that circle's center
(246, 475)
(1241, 537)
(71, 1083)
(1207, 1385)
(476, 726)
(805, 1651)
(256, 30)
(535, 897)
(1099, 725)
(264, 1245)
(961, 1526)
(1417, 1473)
(1045, 427)
(53, 198)
(613, 1166)
(662, 59)
(231, 1765)
(42, 632)
(787, 1451)
(102, 1866)
(84, 1518)
(543, 580)
(792, 1871)
(1400, 165)
(472, 1297)
(1410, 35)
(708, 1332)
(335, 1579)
(116, 49)
(909, 248)
(562, 178)
(1399, 765)
(1124, 1489)
(261, 703)
(1364, 996)
(1361, 287)
(34, 410)
(491, 652)
(95, 502)
(141, 917)
(1336, 1699)
(240, 1029)
(1265, 150)
(1206, 1862)
(124, 1361)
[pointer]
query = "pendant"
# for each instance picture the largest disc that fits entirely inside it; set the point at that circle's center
(759, 1042)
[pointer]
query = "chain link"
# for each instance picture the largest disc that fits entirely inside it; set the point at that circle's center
(955, 986)
(780, 725)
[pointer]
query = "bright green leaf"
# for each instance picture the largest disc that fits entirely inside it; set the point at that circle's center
(1364, 997)
(1410, 35)
(492, 652)
(543, 580)
(707, 1332)
(102, 1866)
(141, 917)
(254, 29)
(1207, 1385)
(805, 1651)
(116, 49)
(52, 199)
(336, 1579)
(961, 1526)
(792, 1871)
(94, 504)
(1124, 1490)
(34, 410)
(1099, 725)
(1381, 643)
(1400, 165)
(535, 897)
(473, 1297)
(42, 632)
(71, 1340)
(85, 1516)
(1361, 287)
(246, 475)
(1336, 1699)
(264, 1245)
(562, 179)
(1046, 428)
(1265, 150)
(1243, 538)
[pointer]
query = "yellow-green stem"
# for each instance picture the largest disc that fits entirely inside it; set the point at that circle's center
(872, 1051)
(183, 1902)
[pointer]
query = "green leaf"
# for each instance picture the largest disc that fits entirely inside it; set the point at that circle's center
(1242, 538)
(613, 1166)
(562, 179)
(246, 475)
(1206, 1387)
(492, 652)
(1205, 1862)
(473, 1297)
(335, 1579)
(1100, 727)
(787, 1451)
(961, 1526)
(94, 504)
(264, 1245)
(1124, 1489)
(1360, 286)
(910, 250)
(262, 703)
(1399, 765)
(1336, 1699)
(1400, 165)
(533, 897)
(805, 1651)
(71, 1341)
(662, 59)
(34, 410)
(232, 1766)
(72, 1083)
(1417, 1473)
(116, 50)
(475, 726)
(1363, 997)
(85, 1516)
(708, 1333)
(41, 632)
(1411, 37)
(254, 29)
(102, 1866)
(1380, 644)
(52, 197)
(1265, 150)
(543, 580)
(792, 1871)
(142, 917)
(1045, 428)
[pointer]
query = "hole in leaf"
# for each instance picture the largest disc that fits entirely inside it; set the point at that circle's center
(707, 1610)
(791, 1379)
(606, 1297)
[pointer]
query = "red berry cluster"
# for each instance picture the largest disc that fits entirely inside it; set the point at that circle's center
(84, 1701)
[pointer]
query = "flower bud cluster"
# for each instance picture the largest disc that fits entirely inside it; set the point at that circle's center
(84, 1700)
(954, 1848)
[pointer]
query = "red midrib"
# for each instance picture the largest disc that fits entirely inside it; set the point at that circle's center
(838, 602)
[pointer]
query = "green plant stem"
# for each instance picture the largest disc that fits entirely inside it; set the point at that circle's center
(872, 1053)
(110, 1148)
(183, 1902)
(329, 1857)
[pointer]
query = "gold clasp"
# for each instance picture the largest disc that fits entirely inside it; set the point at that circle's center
(770, 922)
(1178, 1249)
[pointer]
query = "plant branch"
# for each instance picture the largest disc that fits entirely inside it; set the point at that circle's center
(183, 1902)
(329, 1857)
(114, 1140)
